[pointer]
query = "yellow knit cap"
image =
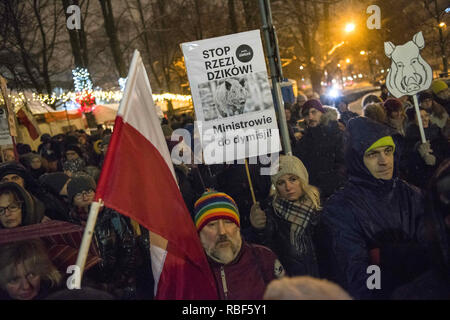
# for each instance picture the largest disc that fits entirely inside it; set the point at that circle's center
(383, 142)
(438, 86)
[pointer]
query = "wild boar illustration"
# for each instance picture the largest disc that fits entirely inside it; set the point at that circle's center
(409, 72)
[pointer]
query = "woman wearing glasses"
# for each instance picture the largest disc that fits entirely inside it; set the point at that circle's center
(17, 207)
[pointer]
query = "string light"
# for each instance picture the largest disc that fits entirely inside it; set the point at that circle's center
(113, 96)
(81, 79)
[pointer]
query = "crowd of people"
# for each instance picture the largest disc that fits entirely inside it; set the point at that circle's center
(359, 190)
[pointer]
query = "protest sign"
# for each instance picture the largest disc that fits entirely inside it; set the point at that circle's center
(232, 97)
(409, 73)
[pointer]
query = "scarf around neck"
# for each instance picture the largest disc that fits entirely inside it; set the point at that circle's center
(300, 215)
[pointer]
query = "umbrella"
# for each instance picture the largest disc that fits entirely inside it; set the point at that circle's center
(61, 238)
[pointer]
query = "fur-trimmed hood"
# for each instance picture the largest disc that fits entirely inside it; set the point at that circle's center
(331, 114)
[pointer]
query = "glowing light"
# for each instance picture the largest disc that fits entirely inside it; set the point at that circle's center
(81, 79)
(362, 52)
(347, 60)
(115, 96)
(360, 75)
(349, 27)
(442, 25)
(301, 67)
(335, 47)
(334, 92)
(382, 70)
(338, 65)
(122, 82)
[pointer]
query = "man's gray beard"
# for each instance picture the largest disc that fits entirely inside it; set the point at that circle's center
(227, 254)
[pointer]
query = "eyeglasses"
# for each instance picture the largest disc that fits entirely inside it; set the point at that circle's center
(13, 207)
(80, 195)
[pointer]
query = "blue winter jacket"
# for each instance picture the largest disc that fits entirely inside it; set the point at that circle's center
(370, 213)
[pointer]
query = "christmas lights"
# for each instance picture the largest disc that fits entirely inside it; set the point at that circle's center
(115, 96)
(81, 79)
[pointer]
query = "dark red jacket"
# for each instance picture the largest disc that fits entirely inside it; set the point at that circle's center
(246, 277)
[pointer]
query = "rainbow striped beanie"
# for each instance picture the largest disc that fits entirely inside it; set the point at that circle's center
(213, 205)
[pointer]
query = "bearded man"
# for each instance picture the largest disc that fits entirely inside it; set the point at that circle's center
(241, 270)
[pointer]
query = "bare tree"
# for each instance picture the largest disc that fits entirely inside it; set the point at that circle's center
(78, 41)
(111, 32)
(437, 14)
(33, 36)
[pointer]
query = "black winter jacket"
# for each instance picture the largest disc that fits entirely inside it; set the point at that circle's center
(321, 151)
(276, 236)
(370, 215)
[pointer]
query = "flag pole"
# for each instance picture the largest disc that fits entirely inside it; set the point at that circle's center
(87, 237)
(419, 119)
(250, 182)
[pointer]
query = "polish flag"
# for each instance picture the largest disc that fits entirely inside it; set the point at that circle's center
(138, 180)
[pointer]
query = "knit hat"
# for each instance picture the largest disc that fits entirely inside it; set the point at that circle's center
(79, 184)
(55, 181)
(438, 86)
(313, 103)
(74, 147)
(45, 138)
(382, 142)
(424, 95)
(13, 168)
(392, 105)
(291, 165)
(213, 205)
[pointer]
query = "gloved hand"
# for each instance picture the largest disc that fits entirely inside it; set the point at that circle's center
(425, 152)
(258, 217)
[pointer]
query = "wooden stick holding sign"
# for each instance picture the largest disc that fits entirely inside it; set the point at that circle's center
(250, 182)
(409, 72)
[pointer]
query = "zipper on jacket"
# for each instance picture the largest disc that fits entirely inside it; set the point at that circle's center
(224, 282)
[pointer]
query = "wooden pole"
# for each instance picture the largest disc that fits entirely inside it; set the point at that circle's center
(250, 182)
(419, 119)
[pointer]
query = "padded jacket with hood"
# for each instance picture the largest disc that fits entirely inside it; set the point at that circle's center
(321, 151)
(370, 213)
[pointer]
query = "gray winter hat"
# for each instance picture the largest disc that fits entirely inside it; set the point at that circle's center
(79, 184)
(291, 165)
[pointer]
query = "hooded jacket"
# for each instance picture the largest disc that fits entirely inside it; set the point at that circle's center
(29, 213)
(321, 151)
(370, 216)
(44, 202)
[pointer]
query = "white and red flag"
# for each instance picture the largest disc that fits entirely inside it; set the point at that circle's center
(138, 180)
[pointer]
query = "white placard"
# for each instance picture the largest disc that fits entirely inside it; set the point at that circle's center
(232, 97)
(409, 72)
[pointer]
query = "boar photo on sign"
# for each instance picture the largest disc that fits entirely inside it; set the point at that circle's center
(409, 72)
(231, 97)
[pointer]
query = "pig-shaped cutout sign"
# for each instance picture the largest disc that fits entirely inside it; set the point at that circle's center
(409, 72)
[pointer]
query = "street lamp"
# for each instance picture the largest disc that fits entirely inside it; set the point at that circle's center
(349, 27)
